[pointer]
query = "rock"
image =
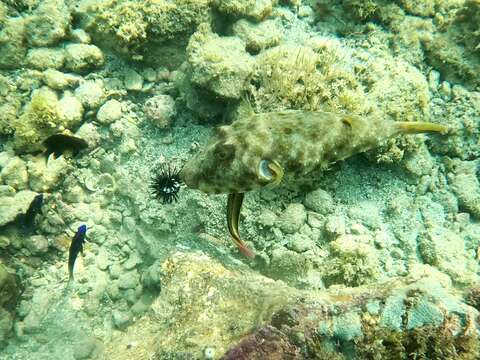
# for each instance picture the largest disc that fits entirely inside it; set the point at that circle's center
(255, 9)
(219, 64)
(110, 112)
(300, 243)
(91, 93)
(36, 244)
(70, 110)
(320, 201)
(129, 280)
(258, 36)
(292, 218)
(102, 259)
(59, 80)
(46, 58)
(6, 324)
(44, 176)
(12, 44)
(4, 242)
(9, 290)
(84, 349)
(132, 261)
(142, 305)
(149, 74)
(121, 319)
(40, 304)
(11, 206)
(48, 24)
(115, 270)
(334, 226)
(14, 173)
(80, 36)
(83, 58)
(352, 262)
(160, 110)
(133, 80)
(466, 186)
(89, 133)
(445, 249)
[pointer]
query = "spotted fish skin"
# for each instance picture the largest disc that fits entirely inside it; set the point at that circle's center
(251, 152)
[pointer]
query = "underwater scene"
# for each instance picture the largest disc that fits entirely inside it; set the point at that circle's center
(239, 179)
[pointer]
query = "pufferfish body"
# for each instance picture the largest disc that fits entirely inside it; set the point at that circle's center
(270, 148)
(267, 148)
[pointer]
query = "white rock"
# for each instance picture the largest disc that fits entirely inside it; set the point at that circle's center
(80, 36)
(70, 110)
(160, 110)
(14, 173)
(59, 80)
(11, 206)
(133, 80)
(90, 134)
(292, 218)
(110, 112)
(91, 93)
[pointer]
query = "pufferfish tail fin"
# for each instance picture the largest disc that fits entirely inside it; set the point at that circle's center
(417, 127)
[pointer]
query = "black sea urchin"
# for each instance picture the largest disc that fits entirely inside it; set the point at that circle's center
(165, 184)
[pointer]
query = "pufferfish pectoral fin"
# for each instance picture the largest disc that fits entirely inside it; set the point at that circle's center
(270, 172)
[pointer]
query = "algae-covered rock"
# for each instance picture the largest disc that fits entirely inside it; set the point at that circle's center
(212, 298)
(9, 289)
(353, 261)
(46, 58)
(82, 57)
(133, 27)
(258, 36)
(445, 250)
(453, 49)
(58, 80)
(14, 173)
(255, 9)
(9, 292)
(340, 326)
(45, 175)
(48, 24)
(218, 64)
(12, 44)
(40, 119)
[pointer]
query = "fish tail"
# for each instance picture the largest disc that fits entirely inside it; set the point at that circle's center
(417, 127)
(244, 249)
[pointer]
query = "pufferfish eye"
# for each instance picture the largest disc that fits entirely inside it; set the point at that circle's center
(224, 152)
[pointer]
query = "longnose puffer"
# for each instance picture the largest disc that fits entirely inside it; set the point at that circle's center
(266, 149)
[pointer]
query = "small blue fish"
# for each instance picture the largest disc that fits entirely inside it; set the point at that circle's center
(75, 247)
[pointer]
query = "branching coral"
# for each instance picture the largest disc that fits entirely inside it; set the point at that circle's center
(304, 77)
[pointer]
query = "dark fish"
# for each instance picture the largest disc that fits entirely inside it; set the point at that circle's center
(26, 221)
(75, 247)
(59, 143)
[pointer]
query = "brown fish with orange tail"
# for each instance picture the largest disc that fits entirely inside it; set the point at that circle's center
(266, 149)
